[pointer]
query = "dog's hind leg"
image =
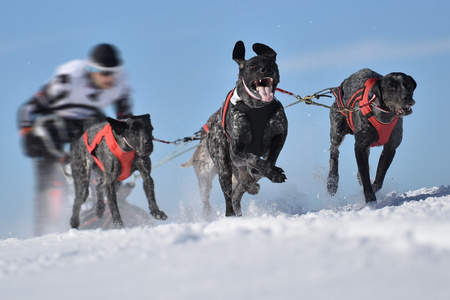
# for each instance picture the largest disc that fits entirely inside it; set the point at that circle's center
(244, 184)
(205, 185)
(205, 176)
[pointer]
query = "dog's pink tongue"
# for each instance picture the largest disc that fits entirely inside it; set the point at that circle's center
(266, 93)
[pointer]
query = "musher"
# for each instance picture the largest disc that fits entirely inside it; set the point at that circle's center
(58, 114)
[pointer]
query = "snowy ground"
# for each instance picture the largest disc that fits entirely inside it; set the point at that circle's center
(400, 250)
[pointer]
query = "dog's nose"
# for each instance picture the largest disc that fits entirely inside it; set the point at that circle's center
(266, 70)
(408, 99)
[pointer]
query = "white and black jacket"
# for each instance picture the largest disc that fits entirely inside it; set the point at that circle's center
(71, 95)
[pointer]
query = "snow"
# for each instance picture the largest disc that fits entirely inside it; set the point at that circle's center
(398, 250)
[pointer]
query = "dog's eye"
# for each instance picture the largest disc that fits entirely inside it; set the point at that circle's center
(392, 87)
(252, 66)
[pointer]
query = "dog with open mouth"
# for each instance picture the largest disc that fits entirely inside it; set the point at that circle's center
(241, 141)
(377, 106)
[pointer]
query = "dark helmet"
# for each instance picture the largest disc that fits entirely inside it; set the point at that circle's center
(105, 55)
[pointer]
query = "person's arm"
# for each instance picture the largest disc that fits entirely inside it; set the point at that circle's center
(58, 88)
(124, 104)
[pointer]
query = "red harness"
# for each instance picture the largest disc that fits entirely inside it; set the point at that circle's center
(125, 158)
(223, 113)
(362, 97)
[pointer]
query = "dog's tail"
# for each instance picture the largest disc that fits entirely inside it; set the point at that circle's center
(188, 163)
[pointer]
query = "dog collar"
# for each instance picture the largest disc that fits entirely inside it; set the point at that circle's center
(249, 92)
(377, 106)
(126, 142)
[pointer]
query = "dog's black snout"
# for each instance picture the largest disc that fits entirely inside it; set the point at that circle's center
(408, 99)
(266, 70)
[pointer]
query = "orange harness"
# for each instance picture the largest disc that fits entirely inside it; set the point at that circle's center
(125, 158)
(223, 113)
(362, 97)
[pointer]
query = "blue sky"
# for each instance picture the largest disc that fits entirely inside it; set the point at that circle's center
(178, 58)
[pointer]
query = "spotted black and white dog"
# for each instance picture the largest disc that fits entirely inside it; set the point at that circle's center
(243, 139)
(380, 103)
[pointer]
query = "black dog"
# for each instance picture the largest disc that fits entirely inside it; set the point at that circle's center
(379, 104)
(114, 150)
(244, 138)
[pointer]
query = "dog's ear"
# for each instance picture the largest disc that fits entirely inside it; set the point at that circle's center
(262, 49)
(146, 116)
(413, 82)
(376, 89)
(239, 53)
(118, 126)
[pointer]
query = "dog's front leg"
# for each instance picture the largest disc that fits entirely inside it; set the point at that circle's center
(276, 174)
(255, 164)
(387, 155)
(245, 182)
(265, 168)
(100, 208)
(362, 159)
(226, 184)
(275, 148)
(112, 202)
(81, 172)
(333, 174)
(383, 165)
(144, 165)
(338, 130)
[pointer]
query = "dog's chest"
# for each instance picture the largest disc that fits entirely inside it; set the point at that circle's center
(256, 126)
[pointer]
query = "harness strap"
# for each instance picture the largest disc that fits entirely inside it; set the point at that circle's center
(224, 110)
(384, 129)
(125, 158)
(206, 128)
(361, 96)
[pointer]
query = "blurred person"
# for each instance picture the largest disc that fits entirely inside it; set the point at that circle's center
(59, 113)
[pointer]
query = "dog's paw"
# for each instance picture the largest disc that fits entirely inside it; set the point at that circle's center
(276, 175)
(332, 188)
(376, 187)
(159, 215)
(254, 189)
(229, 212)
(100, 209)
(118, 224)
(74, 222)
(332, 184)
(370, 197)
(99, 213)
